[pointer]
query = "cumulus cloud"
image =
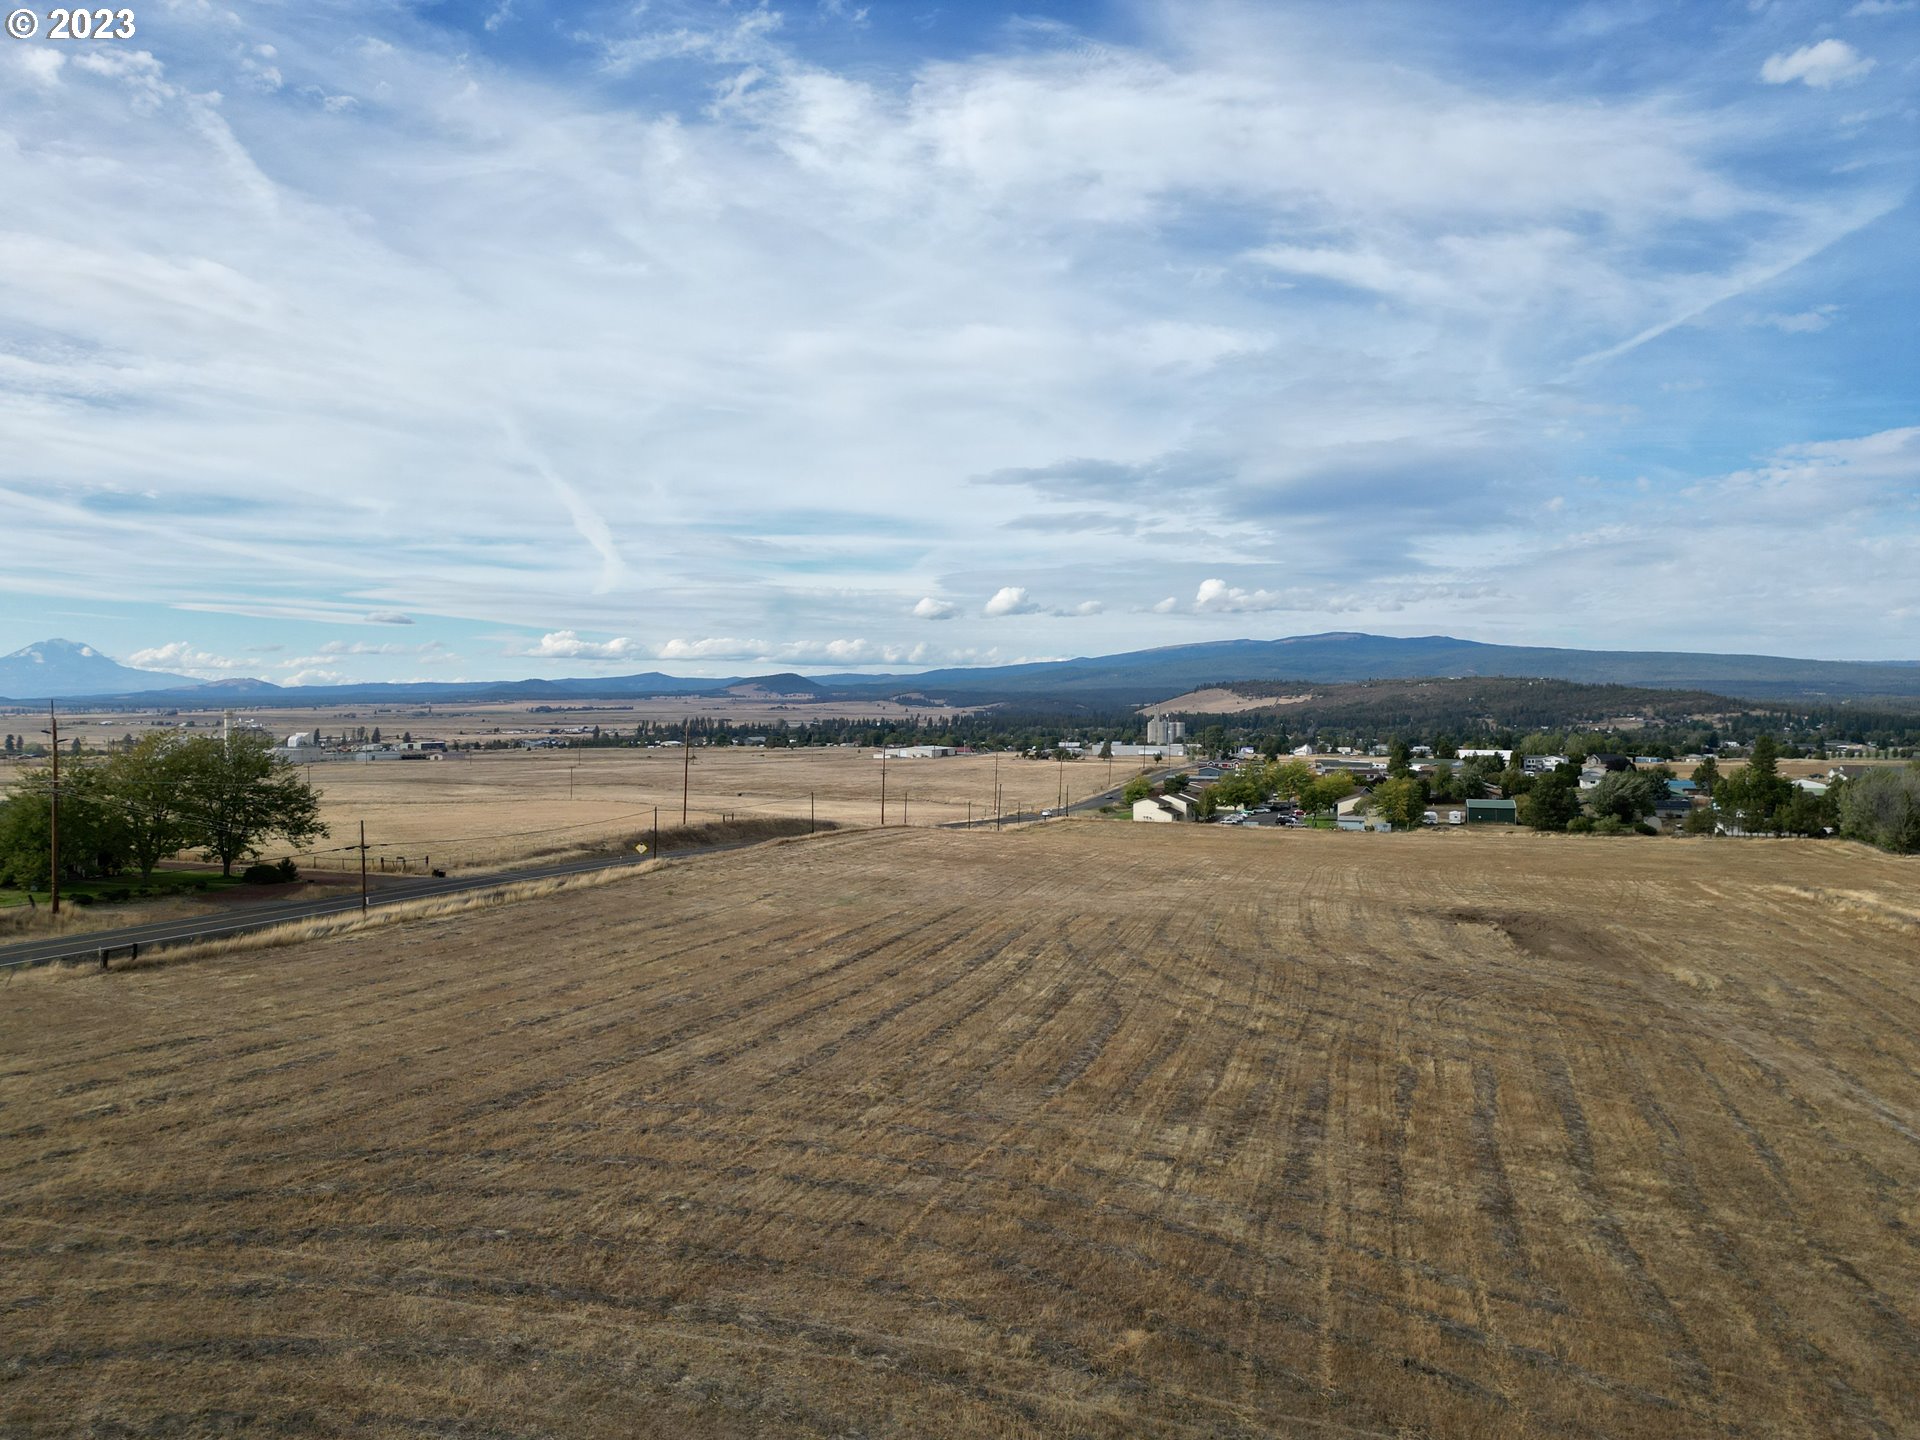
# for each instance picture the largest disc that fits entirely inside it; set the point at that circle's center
(1217, 597)
(567, 645)
(1009, 600)
(1088, 607)
(931, 609)
(1822, 65)
(317, 677)
(183, 657)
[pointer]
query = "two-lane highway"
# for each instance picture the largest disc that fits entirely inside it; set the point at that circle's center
(238, 921)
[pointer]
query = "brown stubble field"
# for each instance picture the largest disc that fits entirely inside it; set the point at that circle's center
(1087, 1130)
(499, 807)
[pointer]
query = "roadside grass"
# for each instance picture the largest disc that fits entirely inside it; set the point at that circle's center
(355, 921)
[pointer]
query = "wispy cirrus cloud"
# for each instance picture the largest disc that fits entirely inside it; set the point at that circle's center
(693, 327)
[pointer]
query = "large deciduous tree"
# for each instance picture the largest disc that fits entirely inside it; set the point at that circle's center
(1626, 795)
(1882, 808)
(145, 787)
(92, 839)
(237, 795)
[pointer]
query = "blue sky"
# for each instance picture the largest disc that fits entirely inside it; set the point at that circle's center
(383, 341)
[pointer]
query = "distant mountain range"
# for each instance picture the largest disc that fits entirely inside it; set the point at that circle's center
(59, 668)
(64, 670)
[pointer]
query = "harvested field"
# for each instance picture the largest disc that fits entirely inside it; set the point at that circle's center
(499, 807)
(1094, 1129)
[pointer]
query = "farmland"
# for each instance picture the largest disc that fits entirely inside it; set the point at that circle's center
(1092, 1129)
(496, 807)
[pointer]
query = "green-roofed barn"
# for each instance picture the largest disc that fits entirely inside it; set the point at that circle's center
(1492, 812)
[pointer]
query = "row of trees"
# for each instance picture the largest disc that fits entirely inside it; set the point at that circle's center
(164, 794)
(1255, 784)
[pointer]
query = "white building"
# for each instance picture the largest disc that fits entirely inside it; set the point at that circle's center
(1149, 752)
(1165, 732)
(916, 752)
(1152, 810)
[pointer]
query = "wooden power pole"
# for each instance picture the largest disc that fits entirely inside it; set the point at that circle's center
(53, 827)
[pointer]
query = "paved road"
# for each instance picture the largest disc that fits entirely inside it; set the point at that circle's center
(239, 921)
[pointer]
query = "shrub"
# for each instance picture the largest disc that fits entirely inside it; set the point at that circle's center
(1643, 828)
(1580, 825)
(263, 874)
(1610, 825)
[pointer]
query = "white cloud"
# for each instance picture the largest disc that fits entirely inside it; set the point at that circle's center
(1087, 607)
(392, 647)
(1166, 606)
(929, 608)
(1218, 597)
(567, 645)
(317, 677)
(850, 651)
(1822, 65)
(1276, 265)
(1882, 7)
(1803, 322)
(1009, 600)
(183, 657)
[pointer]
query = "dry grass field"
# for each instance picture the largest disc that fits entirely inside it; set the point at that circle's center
(498, 807)
(493, 719)
(1091, 1130)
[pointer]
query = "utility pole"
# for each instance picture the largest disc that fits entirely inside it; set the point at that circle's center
(570, 769)
(53, 882)
(809, 812)
(969, 814)
(883, 784)
(363, 867)
(656, 830)
(903, 807)
(686, 766)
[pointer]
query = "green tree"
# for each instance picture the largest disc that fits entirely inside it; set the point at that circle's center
(92, 842)
(1706, 775)
(1882, 808)
(1626, 795)
(1106, 749)
(1400, 802)
(1292, 778)
(144, 787)
(1327, 792)
(237, 794)
(1138, 789)
(1699, 821)
(1399, 758)
(1551, 802)
(1755, 795)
